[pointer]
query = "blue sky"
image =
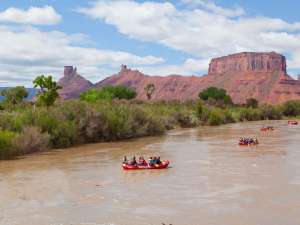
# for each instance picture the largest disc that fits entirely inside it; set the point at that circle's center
(157, 37)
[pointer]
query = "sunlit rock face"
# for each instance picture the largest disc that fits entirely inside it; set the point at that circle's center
(244, 75)
(72, 83)
(257, 75)
(248, 62)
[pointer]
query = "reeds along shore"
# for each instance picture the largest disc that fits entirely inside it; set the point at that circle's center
(27, 129)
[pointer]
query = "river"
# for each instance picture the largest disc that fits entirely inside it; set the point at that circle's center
(212, 181)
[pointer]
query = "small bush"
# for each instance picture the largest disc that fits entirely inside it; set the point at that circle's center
(228, 116)
(63, 134)
(216, 117)
(249, 114)
(204, 117)
(31, 140)
(187, 118)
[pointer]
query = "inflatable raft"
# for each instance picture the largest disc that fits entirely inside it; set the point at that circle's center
(292, 122)
(164, 164)
(246, 144)
(267, 128)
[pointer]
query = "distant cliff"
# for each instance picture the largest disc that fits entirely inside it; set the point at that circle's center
(244, 75)
(258, 75)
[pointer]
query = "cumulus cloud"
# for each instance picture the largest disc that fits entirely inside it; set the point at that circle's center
(27, 52)
(36, 16)
(204, 30)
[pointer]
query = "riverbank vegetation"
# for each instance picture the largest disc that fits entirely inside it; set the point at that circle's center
(26, 128)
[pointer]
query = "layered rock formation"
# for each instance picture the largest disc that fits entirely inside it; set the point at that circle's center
(258, 75)
(248, 62)
(72, 83)
(244, 75)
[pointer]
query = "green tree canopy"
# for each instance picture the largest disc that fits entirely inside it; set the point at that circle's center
(215, 94)
(49, 90)
(14, 95)
(120, 92)
(108, 93)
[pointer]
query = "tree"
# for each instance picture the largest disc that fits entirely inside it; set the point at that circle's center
(120, 92)
(48, 90)
(14, 95)
(251, 102)
(149, 89)
(108, 93)
(291, 108)
(215, 94)
(93, 95)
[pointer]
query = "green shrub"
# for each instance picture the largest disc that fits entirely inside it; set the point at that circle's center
(153, 119)
(63, 134)
(249, 114)
(204, 117)
(120, 92)
(187, 118)
(117, 123)
(108, 93)
(199, 107)
(291, 108)
(7, 151)
(93, 95)
(154, 125)
(228, 116)
(62, 131)
(270, 112)
(215, 95)
(216, 117)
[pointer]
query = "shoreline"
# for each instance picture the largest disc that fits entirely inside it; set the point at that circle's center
(27, 130)
(91, 144)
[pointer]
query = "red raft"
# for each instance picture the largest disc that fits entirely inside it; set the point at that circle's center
(164, 164)
(268, 128)
(292, 122)
(247, 144)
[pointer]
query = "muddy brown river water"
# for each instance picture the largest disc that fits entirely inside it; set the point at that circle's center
(212, 181)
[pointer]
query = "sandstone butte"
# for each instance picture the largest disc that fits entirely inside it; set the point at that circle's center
(73, 84)
(244, 75)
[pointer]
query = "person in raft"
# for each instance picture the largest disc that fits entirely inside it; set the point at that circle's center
(133, 161)
(158, 160)
(151, 161)
(154, 161)
(142, 161)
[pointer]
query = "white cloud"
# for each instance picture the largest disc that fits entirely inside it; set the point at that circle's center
(212, 7)
(37, 16)
(27, 52)
(204, 31)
